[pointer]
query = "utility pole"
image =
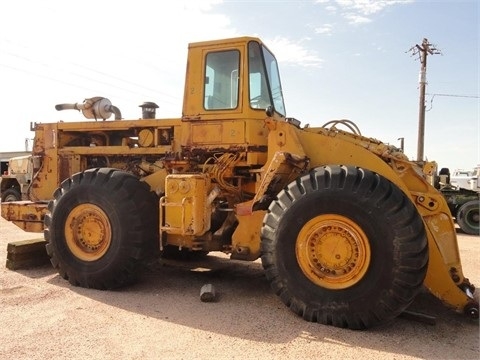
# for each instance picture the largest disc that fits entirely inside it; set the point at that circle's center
(423, 51)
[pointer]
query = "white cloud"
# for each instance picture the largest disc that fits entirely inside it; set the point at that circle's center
(324, 29)
(292, 53)
(331, 9)
(360, 11)
(356, 19)
(369, 7)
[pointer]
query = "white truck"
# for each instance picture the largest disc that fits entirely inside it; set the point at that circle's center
(462, 192)
(16, 181)
(466, 179)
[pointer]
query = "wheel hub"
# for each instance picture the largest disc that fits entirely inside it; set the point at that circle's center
(473, 216)
(88, 232)
(333, 251)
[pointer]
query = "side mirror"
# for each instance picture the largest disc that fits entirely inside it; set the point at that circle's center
(270, 110)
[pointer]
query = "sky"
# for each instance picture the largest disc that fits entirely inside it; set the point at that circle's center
(338, 59)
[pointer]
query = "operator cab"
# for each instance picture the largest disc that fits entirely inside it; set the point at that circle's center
(229, 86)
(232, 77)
(222, 74)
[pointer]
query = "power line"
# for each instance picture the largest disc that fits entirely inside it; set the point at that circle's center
(173, 99)
(449, 95)
(456, 95)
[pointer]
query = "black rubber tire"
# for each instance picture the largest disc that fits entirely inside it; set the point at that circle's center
(468, 217)
(132, 211)
(11, 194)
(395, 233)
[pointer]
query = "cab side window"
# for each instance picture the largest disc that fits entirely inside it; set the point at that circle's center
(221, 80)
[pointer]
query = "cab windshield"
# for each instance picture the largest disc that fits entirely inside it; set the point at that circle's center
(265, 88)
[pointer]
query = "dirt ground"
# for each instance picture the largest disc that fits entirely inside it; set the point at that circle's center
(162, 317)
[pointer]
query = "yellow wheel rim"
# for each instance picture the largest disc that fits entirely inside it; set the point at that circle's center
(88, 232)
(333, 251)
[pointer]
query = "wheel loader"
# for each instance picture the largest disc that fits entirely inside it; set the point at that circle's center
(348, 230)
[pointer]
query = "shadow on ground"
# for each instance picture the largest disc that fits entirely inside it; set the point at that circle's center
(170, 291)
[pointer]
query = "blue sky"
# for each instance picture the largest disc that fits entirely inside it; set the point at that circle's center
(338, 59)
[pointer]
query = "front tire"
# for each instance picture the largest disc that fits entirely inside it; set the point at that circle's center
(344, 246)
(100, 227)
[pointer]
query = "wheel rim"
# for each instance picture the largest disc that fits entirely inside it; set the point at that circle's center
(10, 198)
(88, 232)
(333, 251)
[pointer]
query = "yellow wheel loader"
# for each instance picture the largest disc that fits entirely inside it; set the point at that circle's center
(347, 228)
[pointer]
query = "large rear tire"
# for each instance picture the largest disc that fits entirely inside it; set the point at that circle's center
(344, 246)
(468, 217)
(101, 226)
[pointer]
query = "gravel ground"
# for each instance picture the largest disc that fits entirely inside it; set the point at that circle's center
(162, 317)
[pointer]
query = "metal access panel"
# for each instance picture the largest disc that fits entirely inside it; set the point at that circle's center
(184, 209)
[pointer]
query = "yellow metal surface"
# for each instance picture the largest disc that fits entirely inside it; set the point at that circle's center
(26, 215)
(88, 232)
(63, 147)
(156, 181)
(280, 170)
(224, 132)
(184, 209)
(29, 226)
(246, 238)
(231, 134)
(333, 251)
(443, 281)
(146, 137)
